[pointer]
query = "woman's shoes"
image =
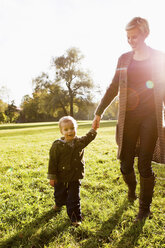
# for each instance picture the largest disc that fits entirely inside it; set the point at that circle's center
(142, 215)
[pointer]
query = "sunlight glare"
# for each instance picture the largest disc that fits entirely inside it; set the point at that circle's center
(149, 84)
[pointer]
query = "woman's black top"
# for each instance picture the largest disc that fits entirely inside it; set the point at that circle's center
(140, 89)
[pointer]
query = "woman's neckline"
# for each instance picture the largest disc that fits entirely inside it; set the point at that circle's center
(143, 55)
(142, 60)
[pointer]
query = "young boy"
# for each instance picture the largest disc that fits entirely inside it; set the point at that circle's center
(66, 167)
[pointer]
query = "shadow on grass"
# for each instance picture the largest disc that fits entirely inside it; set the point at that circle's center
(131, 236)
(34, 235)
(103, 235)
(112, 222)
(40, 232)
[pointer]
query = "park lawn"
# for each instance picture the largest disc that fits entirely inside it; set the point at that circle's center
(26, 199)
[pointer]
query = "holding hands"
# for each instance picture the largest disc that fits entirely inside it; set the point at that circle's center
(96, 122)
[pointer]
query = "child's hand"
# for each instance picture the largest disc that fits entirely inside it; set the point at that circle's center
(52, 182)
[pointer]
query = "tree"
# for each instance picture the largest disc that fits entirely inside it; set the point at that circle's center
(3, 106)
(31, 109)
(85, 110)
(3, 117)
(68, 93)
(52, 97)
(12, 112)
(71, 77)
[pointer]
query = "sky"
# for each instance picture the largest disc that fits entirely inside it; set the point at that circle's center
(32, 32)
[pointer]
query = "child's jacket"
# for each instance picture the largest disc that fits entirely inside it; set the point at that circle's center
(66, 162)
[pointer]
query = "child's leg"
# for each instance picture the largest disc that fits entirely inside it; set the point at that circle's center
(73, 201)
(60, 194)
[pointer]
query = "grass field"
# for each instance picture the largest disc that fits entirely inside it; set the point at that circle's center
(26, 199)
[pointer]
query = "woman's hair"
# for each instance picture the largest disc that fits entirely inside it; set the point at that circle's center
(140, 23)
(68, 118)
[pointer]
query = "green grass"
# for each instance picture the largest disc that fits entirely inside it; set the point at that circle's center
(26, 199)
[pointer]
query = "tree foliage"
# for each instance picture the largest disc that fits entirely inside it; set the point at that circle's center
(71, 77)
(3, 106)
(3, 112)
(12, 112)
(68, 93)
(3, 117)
(112, 111)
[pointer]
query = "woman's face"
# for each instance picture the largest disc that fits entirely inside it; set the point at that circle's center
(135, 39)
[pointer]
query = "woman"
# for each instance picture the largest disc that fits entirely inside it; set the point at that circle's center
(140, 82)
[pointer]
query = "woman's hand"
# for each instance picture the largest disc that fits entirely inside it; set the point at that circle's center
(52, 182)
(96, 122)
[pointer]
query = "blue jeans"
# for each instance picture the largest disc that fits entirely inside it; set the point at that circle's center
(69, 194)
(146, 129)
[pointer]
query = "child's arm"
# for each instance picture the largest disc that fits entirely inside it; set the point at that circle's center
(85, 140)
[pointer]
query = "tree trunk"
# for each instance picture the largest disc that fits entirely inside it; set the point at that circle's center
(63, 107)
(71, 102)
(71, 106)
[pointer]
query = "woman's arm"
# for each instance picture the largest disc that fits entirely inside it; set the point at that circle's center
(109, 95)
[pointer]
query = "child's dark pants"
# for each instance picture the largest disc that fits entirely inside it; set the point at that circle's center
(69, 194)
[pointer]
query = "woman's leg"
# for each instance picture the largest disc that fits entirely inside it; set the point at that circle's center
(131, 132)
(148, 137)
(130, 137)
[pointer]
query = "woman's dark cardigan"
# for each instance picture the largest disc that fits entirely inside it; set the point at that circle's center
(119, 87)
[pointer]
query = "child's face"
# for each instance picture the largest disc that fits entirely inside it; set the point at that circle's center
(68, 130)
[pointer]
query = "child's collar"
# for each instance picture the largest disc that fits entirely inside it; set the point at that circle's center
(62, 139)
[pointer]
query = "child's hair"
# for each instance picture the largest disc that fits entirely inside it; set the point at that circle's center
(67, 119)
